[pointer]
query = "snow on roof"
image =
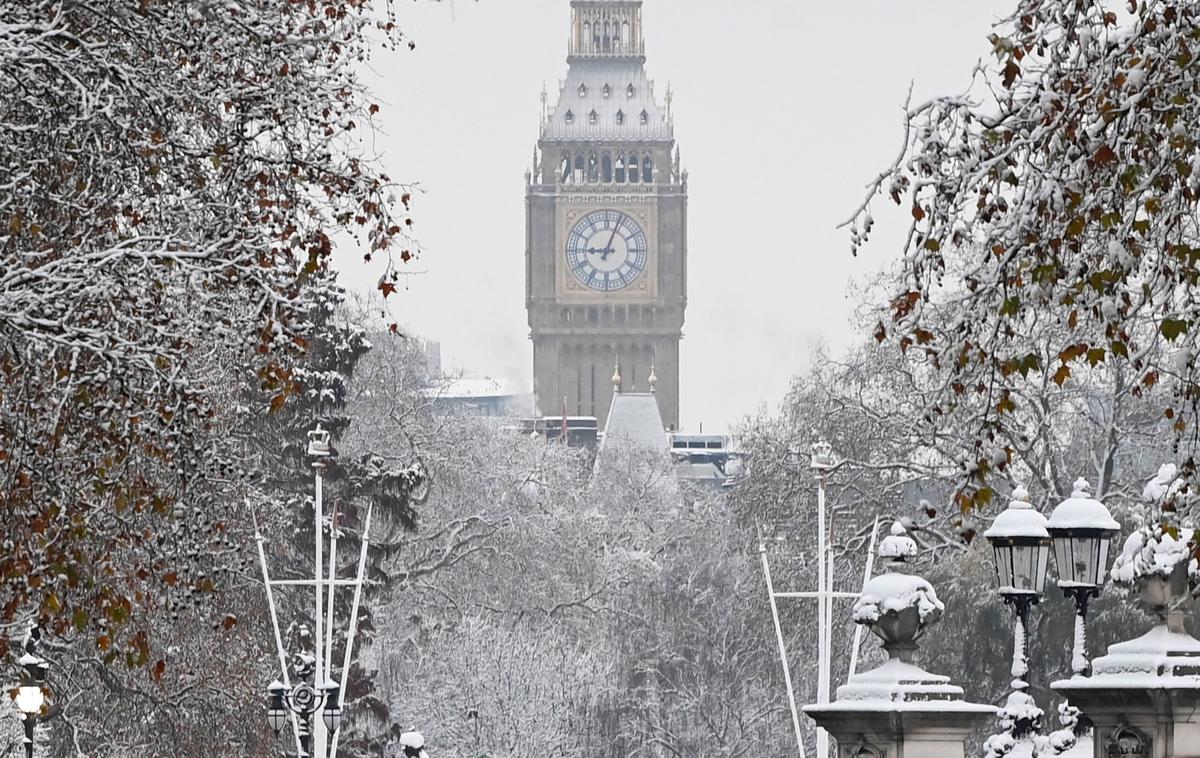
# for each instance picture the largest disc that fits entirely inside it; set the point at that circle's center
(634, 419)
(1082, 511)
(1019, 519)
(894, 593)
(471, 387)
(582, 93)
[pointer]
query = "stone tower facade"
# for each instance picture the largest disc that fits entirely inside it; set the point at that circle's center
(606, 226)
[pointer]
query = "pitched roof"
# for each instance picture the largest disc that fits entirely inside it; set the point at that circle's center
(634, 420)
(618, 114)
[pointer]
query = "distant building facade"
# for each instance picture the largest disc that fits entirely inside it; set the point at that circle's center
(606, 226)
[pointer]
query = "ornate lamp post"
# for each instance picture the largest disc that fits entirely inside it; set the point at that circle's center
(31, 696)
(1082, 530)
(1022, 547)
(304, 700)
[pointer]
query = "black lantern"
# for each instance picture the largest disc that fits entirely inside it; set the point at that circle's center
(1082, 530)
(277, 710)
(1022, 546)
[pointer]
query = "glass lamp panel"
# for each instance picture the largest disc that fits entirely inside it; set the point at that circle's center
(1087, 556)
(1004, 569)
(332, 718)
(1024, 559)
(1043, 565)
(277, 718)
(1102, 564)
(1063, 559)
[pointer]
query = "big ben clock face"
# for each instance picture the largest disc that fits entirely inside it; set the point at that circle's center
(606, 250)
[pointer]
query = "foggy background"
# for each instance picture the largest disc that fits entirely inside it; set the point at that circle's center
(783, 110)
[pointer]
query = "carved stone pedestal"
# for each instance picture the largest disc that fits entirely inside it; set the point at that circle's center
(1143, 697)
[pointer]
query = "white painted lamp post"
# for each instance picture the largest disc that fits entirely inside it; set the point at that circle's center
(315, 689)
(1082, 530)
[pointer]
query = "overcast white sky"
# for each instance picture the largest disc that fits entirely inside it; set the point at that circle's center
(783, 110)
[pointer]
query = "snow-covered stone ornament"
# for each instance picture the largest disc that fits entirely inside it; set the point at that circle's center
(899, 703)
(1145, 693)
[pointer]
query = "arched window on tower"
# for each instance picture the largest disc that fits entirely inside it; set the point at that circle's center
(645, 118)
(625, 44)
(582, 90)
(606, 171)
(607, 38)
(629, 91)
(565, 168)
(606, 91)
(593, 174)
(578, 168)
(647, 169)
(593, 117)
(569, 117)
(620, 118)
(620, 169)
(587, 34)
(633, 168)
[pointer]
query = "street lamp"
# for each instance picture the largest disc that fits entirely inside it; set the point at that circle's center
(1022, 547)
(1082, 530)
(304, 700)
(31, 696)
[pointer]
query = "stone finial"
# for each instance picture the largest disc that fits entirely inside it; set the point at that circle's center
(896, 548)
(653, 377)
(616, 377)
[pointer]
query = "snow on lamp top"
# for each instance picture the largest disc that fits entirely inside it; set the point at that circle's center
(413, 744)
(1082, 511)
(897, 546)
(1018, 520)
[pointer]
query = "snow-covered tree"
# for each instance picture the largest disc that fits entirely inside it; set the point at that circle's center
(1058, 192)
(172, 176)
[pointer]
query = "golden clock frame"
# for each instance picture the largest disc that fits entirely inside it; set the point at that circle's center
(569, 289)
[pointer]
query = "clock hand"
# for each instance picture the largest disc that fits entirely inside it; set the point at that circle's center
(611, 237)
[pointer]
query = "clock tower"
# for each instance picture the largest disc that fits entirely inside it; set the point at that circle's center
(606, 226)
